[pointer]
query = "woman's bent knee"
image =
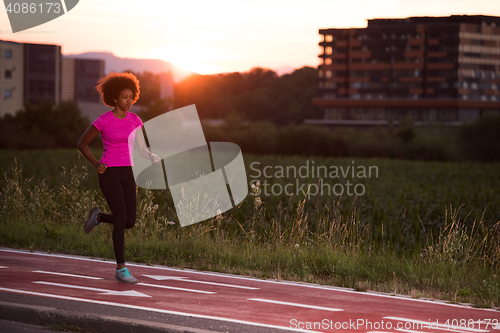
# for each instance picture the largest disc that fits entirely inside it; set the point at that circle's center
(130, 224)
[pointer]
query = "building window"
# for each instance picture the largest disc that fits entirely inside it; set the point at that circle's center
(328, 38)
(8, 74)
(7, 93)
(328, 61)
(328, 50)
(8, 54)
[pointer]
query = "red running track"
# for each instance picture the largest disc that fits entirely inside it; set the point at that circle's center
(264, 303)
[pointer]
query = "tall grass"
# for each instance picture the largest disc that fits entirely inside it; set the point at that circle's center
(385, 241)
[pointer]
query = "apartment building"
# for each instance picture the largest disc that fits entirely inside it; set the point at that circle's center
(37, 73)
(11, 77)
(79, 77)
(42, 73)
(432, 70)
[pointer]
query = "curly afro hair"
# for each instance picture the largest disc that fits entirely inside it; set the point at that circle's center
(111, 86)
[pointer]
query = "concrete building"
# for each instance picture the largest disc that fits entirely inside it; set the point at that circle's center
(434, 70)
(42, 73)
(29, 73)
(80, 77)
(68, 79)
(37, 73)
(11, 77)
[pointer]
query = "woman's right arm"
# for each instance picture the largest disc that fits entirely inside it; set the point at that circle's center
(83, 145)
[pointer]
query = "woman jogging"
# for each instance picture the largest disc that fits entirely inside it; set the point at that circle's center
(115, 175)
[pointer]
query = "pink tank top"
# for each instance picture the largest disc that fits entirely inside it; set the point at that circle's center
(117, 137)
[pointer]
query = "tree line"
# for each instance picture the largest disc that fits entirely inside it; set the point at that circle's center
(258, 95)
(263, 113)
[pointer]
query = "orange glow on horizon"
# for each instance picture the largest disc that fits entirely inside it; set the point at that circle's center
(189, 57)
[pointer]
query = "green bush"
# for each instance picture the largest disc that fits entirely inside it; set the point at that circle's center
(480, 141)
(256, 138)
(376, 143)
(310, 140)
(43, 126)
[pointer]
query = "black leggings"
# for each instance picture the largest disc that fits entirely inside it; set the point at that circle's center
(118, 186)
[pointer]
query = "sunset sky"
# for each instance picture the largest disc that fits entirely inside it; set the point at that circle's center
(223, 35)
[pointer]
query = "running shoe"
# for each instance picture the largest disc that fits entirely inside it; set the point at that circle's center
(92, 220)
(123, 275)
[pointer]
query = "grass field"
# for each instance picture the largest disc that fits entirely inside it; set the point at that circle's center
(426, 229)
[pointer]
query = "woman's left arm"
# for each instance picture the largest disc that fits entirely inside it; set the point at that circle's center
(143, 150)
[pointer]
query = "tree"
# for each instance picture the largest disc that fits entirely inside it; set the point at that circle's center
(259, 95)
(480, 141)
(43, 126)
(155, 108)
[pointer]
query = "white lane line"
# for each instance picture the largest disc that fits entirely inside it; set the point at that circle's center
(295, 304)
(137, 307)
(437, 326)
(178, 278)
(175, 288)
(72, 275)
(4, 267)
(163, 278)
(256, 280)
(103, 291)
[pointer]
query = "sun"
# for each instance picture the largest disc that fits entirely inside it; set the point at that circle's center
(187, 56)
